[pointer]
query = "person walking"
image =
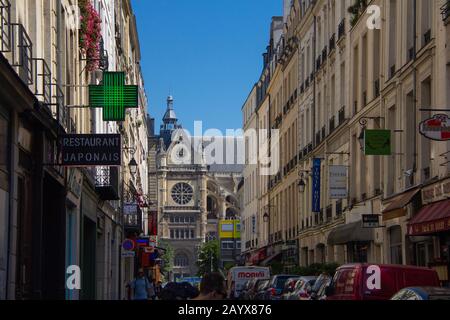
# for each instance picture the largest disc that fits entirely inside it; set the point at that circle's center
(141, 288)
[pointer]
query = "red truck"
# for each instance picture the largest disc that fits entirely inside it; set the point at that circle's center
(377, 281)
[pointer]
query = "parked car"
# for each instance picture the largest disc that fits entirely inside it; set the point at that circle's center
(302, 288)
(289, 287)
(238, 276)
(377, 282)
(260, 291)
(249, 289)
(245, 287)
(276, 286)
(422, 293)
(317, 291)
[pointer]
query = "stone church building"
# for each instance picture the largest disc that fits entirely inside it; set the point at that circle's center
(191, 196)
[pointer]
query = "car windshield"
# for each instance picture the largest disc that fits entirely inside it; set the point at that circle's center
(280, 281)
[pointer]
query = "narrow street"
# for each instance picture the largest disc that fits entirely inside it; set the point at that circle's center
(255, 151)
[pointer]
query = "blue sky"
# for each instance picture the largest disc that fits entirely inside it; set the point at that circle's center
(206, 53)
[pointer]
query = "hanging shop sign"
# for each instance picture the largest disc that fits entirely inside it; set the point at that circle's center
(113, 96)
(377, 142)
(436, 128)
(130, 208)
(338, 182)
(316, 185)
(90, 150)
(370, 221)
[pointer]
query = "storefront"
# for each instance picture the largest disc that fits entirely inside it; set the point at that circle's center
(358, 241)
(432, 223)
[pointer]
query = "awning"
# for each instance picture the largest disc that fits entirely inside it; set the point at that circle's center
(351, 232)
(258, 256)
(395, 208)
(432, 218)
(270, 259)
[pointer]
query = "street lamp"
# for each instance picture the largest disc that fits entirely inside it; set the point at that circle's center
(133, 165)
(301, 185)
(266, 217)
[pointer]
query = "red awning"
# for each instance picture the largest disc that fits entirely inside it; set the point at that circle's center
(432, 218)
(258, 256)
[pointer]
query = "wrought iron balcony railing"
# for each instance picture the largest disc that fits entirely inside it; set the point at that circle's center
(445, 11)
(5, 26)
(107, 183)
(22, 53)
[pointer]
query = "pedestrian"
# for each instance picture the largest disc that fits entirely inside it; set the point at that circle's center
(141, 288)
(212, 287)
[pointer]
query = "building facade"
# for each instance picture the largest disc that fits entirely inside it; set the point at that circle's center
(339, 74)
(192, 196)
(57, 217)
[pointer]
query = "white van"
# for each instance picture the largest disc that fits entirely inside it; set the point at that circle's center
(238, 276)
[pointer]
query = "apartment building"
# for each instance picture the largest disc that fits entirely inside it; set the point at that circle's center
(357, 72)
(52, 216)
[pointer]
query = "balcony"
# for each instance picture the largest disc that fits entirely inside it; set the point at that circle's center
(5, 28)
(445, 12)
(107, 183)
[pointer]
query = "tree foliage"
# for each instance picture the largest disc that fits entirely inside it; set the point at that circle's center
(167, 257)
(208, 257)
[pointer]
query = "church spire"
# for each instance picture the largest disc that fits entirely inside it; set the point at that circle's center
(170, 122)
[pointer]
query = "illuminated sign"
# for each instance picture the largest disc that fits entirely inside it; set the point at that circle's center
(113, 96)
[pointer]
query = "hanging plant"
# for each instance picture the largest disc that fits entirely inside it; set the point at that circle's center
(90, 34)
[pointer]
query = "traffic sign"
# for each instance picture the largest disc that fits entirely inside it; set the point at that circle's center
(128, 245)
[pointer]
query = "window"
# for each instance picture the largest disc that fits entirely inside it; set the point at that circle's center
(227, 227)
(227, 245)
(238, 245)
(181, 260)
(182, 193)
(395, 242)
(172, 234)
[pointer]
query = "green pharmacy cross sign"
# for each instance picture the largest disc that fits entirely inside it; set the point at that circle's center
(113, 96)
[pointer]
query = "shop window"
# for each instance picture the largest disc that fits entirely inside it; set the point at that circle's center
(395, 243)
(357, 252)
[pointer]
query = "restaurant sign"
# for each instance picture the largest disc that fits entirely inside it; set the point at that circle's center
(90, 150)
(436, 128)
(425, 228)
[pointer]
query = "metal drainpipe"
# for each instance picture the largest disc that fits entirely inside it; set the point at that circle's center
(415, 85)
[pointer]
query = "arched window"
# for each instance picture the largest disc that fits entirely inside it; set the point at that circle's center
(181, 260)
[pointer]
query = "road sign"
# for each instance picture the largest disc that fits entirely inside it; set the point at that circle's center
(128, 245)
(128, 254)
(113, 96)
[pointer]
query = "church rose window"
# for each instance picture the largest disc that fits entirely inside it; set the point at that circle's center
(182, 193)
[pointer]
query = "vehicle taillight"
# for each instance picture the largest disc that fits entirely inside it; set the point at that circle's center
(303, 295)
(273, 291)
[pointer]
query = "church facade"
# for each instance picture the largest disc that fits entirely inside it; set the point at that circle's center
(192, 195)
